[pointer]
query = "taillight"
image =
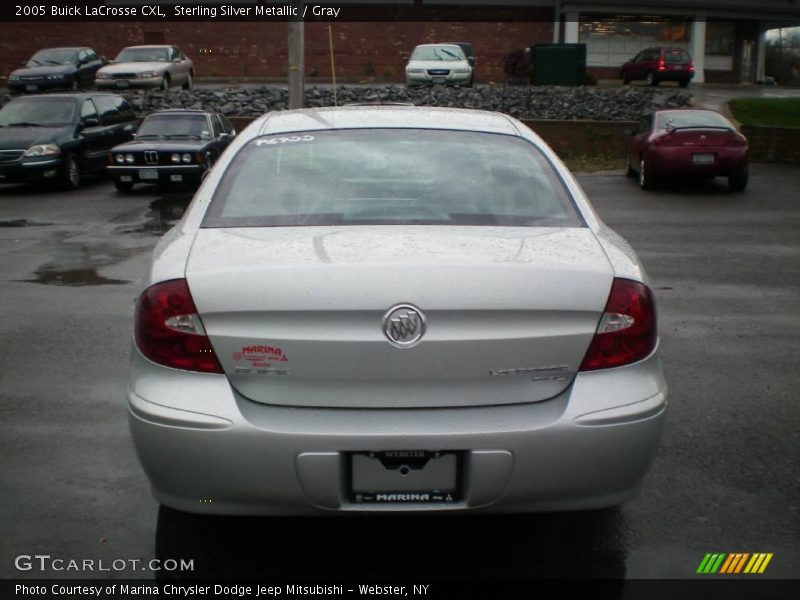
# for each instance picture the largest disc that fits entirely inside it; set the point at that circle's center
(662, 66)
(691, 66)
(627, 329)
(168, 330)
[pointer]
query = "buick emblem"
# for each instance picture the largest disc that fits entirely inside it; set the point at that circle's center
(404, 325)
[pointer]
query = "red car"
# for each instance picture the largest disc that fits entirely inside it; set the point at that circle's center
(655, 65)
(687, 142)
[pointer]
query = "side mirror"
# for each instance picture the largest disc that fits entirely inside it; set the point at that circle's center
(90, 122)
(223, 136)
(471, 61)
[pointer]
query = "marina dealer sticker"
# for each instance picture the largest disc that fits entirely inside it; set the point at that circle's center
(261, 356)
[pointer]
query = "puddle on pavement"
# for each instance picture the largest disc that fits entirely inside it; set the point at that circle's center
(161, 216)
(76, 264)
(22, 223)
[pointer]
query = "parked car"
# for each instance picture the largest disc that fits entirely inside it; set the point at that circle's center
(147, 67)
(469, 52)
(471, 337)
(438, 64)
(69, 68)
(655, 65)
(61, 137)
(172, 146)
(683, 142)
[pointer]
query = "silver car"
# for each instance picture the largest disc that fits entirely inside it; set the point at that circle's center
(393, 309)
(147, 67)
(438, 64)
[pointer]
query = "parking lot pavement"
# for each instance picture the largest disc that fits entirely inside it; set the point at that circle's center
(726, 272)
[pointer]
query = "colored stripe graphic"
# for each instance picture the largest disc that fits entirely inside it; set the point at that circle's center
(734, 563)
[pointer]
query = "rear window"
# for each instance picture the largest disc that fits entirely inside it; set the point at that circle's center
(676, 56)
(692, 118)
(390, 176)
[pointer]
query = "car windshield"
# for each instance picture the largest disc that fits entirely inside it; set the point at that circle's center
(692, 118)
(388, 177)
(53, 57)
(167, 125)
(445, 53)
(143, 55)
(42, 112)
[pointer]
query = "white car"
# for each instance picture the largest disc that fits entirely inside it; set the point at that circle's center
(393, 308)
(445, 64)
(147, 67)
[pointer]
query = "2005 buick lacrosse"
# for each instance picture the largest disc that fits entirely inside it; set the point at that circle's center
(390, 308)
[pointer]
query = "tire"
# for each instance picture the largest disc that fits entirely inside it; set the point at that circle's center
(684, 83)
(70, 176)
(737, 182)
(189, 83)
(625, 79)
(75, 86)
(123, 186)
(651, 79)
(645, 179)
(164, 87)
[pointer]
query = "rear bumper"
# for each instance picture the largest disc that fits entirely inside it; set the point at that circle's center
(668, 160)
(674, 75)
(206, 449)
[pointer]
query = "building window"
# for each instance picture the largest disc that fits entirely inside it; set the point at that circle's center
(611, 41)
(720, 45)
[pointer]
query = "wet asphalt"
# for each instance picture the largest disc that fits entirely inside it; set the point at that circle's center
(726, 273)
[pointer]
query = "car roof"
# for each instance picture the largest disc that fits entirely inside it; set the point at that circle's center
(194, 111)
(71, 48)
(383, 117)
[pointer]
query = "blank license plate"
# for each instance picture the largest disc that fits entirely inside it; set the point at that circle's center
(31, 88)
(405, 476)
(148, 174)
(440, 80)
(122, 84)
(703, 159)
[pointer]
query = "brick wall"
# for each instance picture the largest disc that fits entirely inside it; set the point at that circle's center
(773, 144)
(258, 49)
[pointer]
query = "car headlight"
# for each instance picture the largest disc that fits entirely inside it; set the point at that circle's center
(462, 71)
(120, 158)
(187, 158)
(43, 150)
(13, 77)
(147, 74)
(56, 76)
(176, 158)
(103, 76)
(129, 159)
(415, 71)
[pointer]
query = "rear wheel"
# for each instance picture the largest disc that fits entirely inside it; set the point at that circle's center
(123, 186)
(738, 181)
(684, 83)
(651, 79)
(645, 178)
(70, 176)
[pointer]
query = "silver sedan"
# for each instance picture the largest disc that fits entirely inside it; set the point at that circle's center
(393, 309)
(147, 67)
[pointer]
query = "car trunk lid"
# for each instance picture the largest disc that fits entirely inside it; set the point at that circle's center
(295, 313)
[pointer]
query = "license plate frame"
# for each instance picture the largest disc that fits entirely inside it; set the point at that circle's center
(379, 478)
(148, 174)
(124, 84)
(703, 158)
(439, 80)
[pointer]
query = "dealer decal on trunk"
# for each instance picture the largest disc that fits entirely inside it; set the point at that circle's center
(264, 360)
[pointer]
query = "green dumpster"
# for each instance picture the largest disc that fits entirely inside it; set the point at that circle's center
(559, 64)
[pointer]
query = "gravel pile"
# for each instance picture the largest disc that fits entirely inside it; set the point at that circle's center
(612, 104)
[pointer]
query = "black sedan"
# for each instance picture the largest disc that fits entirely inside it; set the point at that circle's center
(61, 137)
(172, 146)
(57, 68)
